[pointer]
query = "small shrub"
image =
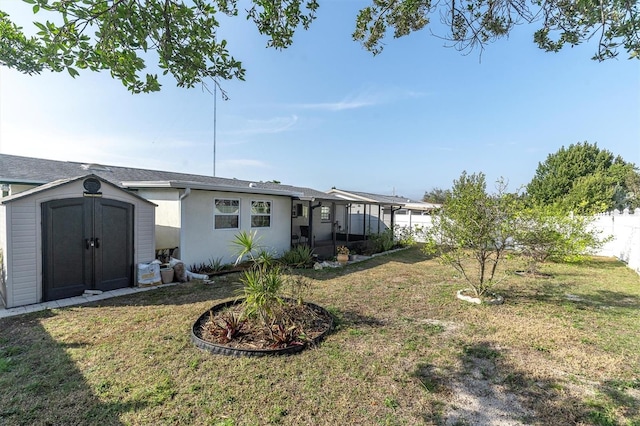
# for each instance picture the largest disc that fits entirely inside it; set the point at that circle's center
(284, 336)
(216, 264)
(405, 235)
(229, 326)
(298, 257)
(298, 287)
(383, 241)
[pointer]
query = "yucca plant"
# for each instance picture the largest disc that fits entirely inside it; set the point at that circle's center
(216, 265)
(247, 245)
(262, 292)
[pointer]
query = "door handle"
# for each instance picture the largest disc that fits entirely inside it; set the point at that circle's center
(97, 242)
(88, 243)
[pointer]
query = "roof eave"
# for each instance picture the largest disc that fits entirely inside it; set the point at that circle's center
(208, 187)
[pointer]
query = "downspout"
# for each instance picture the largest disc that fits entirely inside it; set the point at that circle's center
(364, 222)
(182, 238)
(393, 215)
(348, 221)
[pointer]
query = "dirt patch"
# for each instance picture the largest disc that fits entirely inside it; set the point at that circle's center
(478, 400)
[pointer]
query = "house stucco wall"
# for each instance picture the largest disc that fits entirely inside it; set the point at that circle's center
(23, 230)
(16, 188)
(201, 243)
(167, 226)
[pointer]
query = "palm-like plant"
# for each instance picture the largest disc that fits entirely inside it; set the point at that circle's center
(263, 281)
(247, 245)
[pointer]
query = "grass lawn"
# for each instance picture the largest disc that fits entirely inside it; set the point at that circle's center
(563, 350)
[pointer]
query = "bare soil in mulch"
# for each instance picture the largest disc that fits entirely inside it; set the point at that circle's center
(297, 324)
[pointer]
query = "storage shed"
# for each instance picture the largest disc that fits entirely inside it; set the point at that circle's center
(60, 239)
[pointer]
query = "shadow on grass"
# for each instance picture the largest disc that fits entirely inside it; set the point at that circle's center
(409, 256)
(41, 384)
(181, 294)
(561, 294)
(615, 298)
(347, 318)
(486, 390)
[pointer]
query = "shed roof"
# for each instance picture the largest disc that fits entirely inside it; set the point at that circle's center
(61, 182)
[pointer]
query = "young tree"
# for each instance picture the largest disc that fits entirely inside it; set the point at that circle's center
(547, 232)
(117, 35)
(471, 231)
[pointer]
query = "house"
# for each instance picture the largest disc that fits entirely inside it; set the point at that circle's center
(198, 215)
(368, 213)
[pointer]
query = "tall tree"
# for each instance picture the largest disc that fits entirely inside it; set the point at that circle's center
(583, 178)
(117, 35)
(435, 196)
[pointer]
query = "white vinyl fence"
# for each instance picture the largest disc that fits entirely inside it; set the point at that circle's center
(625, 228)
(416, 222)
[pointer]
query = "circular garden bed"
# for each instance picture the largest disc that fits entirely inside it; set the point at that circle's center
(223, 329)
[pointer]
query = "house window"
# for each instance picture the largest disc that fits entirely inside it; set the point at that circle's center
(325, 214)
(260, 214)
(226, 214)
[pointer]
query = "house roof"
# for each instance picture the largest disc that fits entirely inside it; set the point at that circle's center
(388, 200)
(27, 170)
(61, 182)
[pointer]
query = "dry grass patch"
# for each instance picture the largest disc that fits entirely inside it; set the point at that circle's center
(405, 351)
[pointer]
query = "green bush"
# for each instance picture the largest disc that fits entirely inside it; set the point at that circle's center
(298, 257)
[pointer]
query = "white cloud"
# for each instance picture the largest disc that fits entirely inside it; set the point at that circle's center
(365, 99)
(268, 126)
(359, 101)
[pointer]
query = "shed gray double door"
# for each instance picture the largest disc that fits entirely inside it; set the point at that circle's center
(87, 244)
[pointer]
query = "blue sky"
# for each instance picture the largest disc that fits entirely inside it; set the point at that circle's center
(326, 113)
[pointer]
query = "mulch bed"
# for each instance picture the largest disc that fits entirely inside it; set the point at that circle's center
(302, 323)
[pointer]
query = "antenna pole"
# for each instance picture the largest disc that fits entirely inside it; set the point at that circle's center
(215, 97)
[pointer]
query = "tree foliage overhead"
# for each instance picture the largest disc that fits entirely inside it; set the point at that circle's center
(117, 35)
(474, 23)
(585, 179)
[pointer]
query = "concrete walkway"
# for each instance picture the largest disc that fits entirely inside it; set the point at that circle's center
(78, 300)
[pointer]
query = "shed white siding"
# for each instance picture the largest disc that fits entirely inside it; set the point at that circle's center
(3, 255)
(22, 230)
(22, 256)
